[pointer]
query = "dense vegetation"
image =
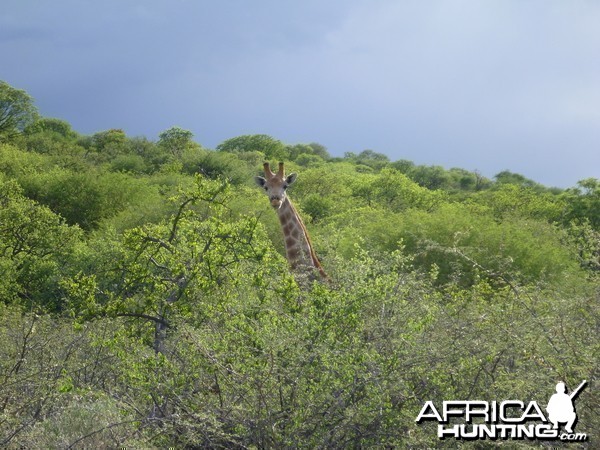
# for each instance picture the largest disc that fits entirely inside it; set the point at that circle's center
(145, 301)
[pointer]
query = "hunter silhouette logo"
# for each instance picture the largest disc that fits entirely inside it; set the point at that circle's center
(508, 419)
(560, 407)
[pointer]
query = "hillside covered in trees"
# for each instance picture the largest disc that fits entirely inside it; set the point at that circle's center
(145, 299)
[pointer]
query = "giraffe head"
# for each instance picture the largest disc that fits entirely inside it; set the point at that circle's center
(275, 184)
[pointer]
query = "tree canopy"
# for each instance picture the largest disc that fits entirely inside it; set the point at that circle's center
(146, 301)
(16, 111)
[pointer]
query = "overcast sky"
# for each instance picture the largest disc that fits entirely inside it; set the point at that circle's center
(483, 85)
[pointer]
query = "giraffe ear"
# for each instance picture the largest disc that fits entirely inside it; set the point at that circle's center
(260, 181)
(291, 178)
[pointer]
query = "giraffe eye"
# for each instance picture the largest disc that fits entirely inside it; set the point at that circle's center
(285, 186)
(266, 188)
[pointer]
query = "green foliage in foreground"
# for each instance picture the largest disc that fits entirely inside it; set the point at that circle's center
(145, 301)
(256, 363)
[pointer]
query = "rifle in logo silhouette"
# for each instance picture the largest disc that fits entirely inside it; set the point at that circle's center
(574, 394)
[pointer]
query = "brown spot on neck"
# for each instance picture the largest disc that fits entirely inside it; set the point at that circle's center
(298, 247)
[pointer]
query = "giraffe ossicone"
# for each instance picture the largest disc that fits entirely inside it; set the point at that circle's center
(298, 248)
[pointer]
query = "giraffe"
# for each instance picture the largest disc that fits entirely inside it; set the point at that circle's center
(298, 248)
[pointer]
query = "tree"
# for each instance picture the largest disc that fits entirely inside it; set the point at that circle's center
(84, 198)
(512, 201)
(372, 159)
(508, 177)
(403, 165)
(175, 140)
(16, 111)
(584, 202)
(33, 241)
(307, 160)
(431, 177)
(47, 124)
(168, 266)
(108, 144)
(319, 150)
(298, 149)
(53, 137)
(395, 191)
(273, 149)
(312, 149)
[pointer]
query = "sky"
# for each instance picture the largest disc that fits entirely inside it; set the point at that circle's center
(482, 85)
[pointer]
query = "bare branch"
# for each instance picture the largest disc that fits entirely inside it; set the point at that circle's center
(159, 320)
(100, 430)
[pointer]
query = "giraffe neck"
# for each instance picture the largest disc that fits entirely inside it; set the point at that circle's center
(298, 248)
